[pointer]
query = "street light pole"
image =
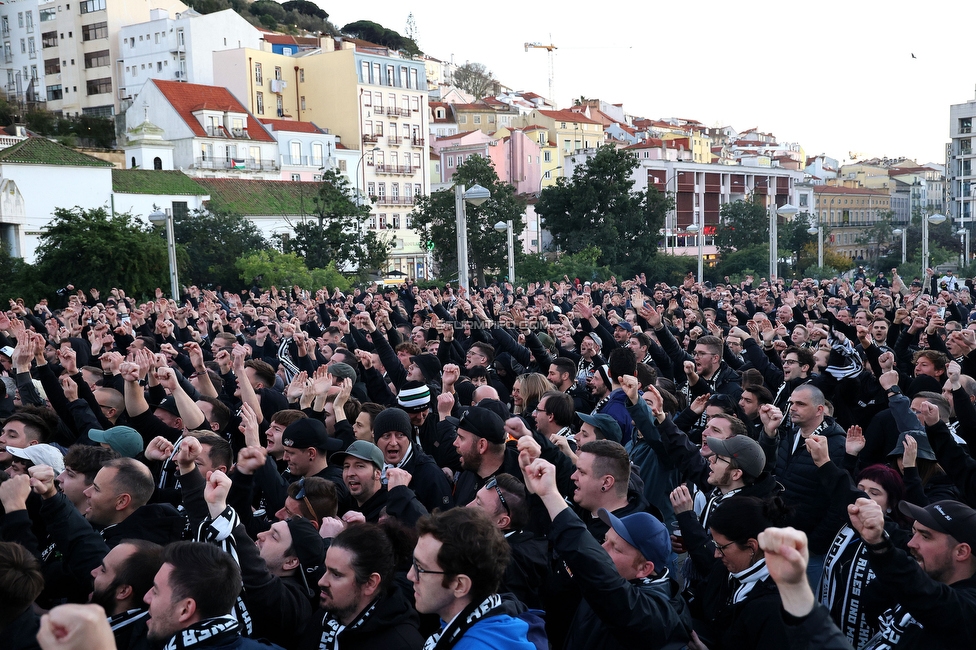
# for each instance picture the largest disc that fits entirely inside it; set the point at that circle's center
(904, 242)
(935, 220)
(159, 217)
(787, 210)
(475, 196)
(699, 234)
(964, 247)
(818, 231)
(507, 227)
(358, 165)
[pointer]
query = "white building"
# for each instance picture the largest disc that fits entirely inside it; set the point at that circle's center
(307, 150)
(80, 45)
(959, 169)
(23, 73)
(179, 48)
(212, 134)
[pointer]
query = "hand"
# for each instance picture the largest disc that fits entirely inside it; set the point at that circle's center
(395, 477)
(159, 449)
(540, 475)
(330, 527)
(771, 418)
(445, 404)
(68, 387)
(787, 555)
(75, 627)
(515, 427)
(817, 446)
(529, 447)
(855, 441)
(365, 359)
(167, 379)
(867, 519)
(68, 359)
(296, 386)
(953, 373)
(911, 451)
(886, 361)
(218, 486)
(250, 459)
(698, 405)
(562, 443)
(928, 414)
(190, 450)
(354, 517)
(249, 425)
(449, 375)
(14, 492)
(42, 480)
(630, 386)
(681, 500)
(322, 382)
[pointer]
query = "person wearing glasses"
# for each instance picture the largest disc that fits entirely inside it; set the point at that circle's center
(505, 500)
(458, 565)
(629, 599)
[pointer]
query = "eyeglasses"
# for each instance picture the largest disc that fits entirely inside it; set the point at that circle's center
(717, 458)
(720, 549)
(492, 484)
(701, 353)
(301, 496)
(420, 572)
(790, 362)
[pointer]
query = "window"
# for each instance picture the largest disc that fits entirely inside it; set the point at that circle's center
(367, 98)
(415, 103)
(99, 86)
(396, 221)
(5, 25)
(413, 80)
(547, 175)
(382, 222)
(20, 19)
(450, 161)
(97, 59)
(390, 75)
(296, 177)
(156, 35)
(23, 46)
(259, 102)
(258, 74)
(404, 79)
(278, 72)
(547, 156)
(30, 22)
(378, 101)
(364, 71)
(52, 66)
(317, 154)
(303, 102)
(280, 105)
(91, 6)
(371, 189)
(94, 31)
(342, 165)
(376, 75)
(53, 92)
(31, 47)
(158, 165)
(301, 75)
(462, 119)
(33, 73)
(477, 119)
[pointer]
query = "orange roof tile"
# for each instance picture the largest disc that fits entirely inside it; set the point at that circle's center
(187, 98)
(568, 116)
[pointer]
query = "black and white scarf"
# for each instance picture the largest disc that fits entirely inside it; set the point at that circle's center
(217, 631)
(332, 628)
(797, 436)
(746, 579)
(169, 475)
(407, 457)
(219, 531)
(129, 617)
(464, 621)
(284, 356)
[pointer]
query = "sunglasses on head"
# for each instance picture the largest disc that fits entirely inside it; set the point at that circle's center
(301, 496)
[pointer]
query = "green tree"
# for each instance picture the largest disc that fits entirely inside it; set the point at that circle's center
(474, 78)
(270, 267)
(213, 242)
(742, 224)
(376, 33)
(434, 219)
(793, 238)
(90, 248)
(878, 237)
(599, 205)
(338, 234)
(20, 280)
(305, 7)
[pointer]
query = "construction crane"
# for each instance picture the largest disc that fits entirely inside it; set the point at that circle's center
(549, 48)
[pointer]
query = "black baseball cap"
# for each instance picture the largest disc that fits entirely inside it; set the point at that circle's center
(949, 517)
(483, 423)
(309, 432)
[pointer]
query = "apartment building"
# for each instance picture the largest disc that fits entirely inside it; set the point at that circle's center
(568, 130)
(23, 72)
(960, 177)
(848, 212)
(80, 44)
(177, 48)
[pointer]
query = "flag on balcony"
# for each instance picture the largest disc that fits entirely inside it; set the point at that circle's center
(238, 163)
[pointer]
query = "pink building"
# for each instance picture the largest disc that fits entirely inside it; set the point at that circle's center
(515, 156)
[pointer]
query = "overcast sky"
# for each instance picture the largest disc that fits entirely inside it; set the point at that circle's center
(837, 77)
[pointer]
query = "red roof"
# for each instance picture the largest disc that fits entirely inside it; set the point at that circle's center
(293, 126)
(568, 116)
(650, 143)
(187, 98)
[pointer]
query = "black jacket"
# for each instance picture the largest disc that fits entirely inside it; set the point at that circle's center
(528, 568)
(429, 482)
(154, 522)
(393, 625)
(616, 613)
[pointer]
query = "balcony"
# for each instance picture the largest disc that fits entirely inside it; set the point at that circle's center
(393, 200)
(394, 169)
(221, 132)
(249, 164)
(393, 140)
(397, 112)
(416, 142)
(371, 138)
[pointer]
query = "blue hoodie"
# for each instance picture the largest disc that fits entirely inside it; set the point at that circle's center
(502, 632)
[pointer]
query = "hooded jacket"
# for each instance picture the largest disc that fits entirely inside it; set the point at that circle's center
(393, 625)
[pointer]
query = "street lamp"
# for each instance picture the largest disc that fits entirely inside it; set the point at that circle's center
(696, 230)
(964, 242)
(935, 220)
(784, 211)
(904, 242)
(475, 196)
(359, 199)
(506, 227)
(159, 217)
(818, 231)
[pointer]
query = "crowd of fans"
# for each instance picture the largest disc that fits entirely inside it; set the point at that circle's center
(768, 464)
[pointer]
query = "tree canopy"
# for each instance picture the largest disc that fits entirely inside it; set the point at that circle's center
(599, 206)
(742, 224)
(90, 248)
(376, 33)
(434, 219)
(474, 79)
(213, 242)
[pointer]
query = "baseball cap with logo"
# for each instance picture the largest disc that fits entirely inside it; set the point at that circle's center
(949, 517)
(309, 432)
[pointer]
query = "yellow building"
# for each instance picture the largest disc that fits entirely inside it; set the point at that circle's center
(848, 212)
(567, 132)
(701, 145)
(487, 116)
(373, 99)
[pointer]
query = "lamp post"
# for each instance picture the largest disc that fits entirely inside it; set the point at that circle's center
(818, 231)
(359, 198)
(475, 196)
(785, 211)
(697, 231)
(506, 227)
(935, 220)
(904, 242)
(964, 243)
(159, 217)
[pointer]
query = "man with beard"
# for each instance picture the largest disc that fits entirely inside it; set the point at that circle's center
(120, 582)
(362, 606)
(191, 600)
(362, 469)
